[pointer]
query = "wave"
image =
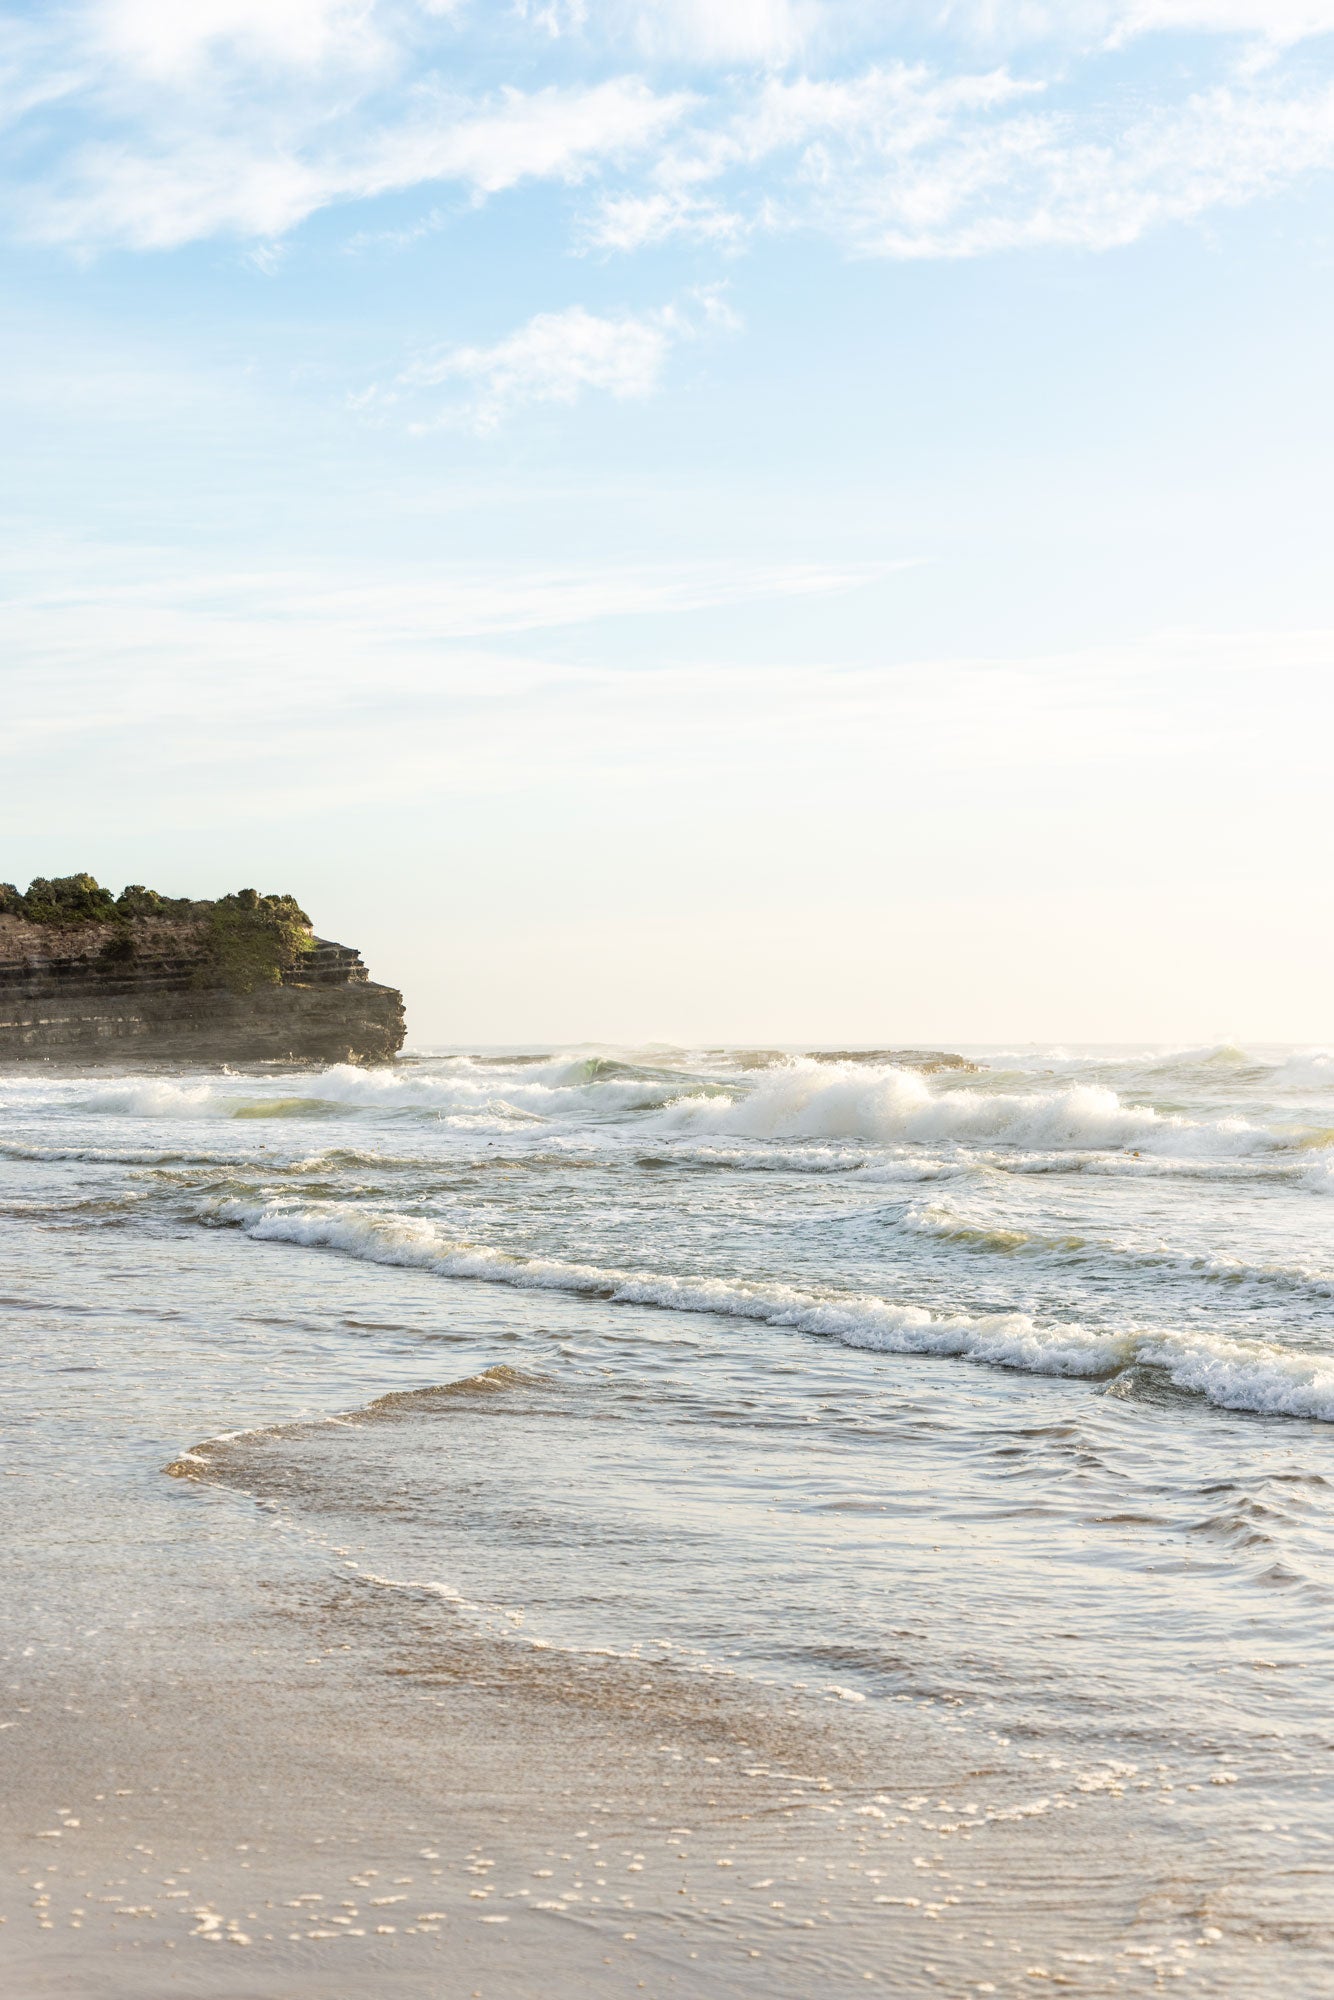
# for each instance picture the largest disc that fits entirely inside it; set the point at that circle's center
(1237, 1375)
(897, 1165)
(116, 1156)
(806, 1100)
(792, 1102)
(1275, 1166)
(798, 1159)
(467, 1100)
(1313, 1067)
(945, 1225)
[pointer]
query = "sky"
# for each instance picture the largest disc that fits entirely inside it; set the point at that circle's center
(688, 520)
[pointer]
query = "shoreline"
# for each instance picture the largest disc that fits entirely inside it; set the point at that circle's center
(338, 1779)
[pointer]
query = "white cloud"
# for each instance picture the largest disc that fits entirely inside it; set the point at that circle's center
(165, 39)
(163, 124)
(1090, 21)
(1036, 180)
(1272, 20)
(250, 181)
(692, 31)
(557, 356)
(726, 181)
(906, 163)
(725, 30)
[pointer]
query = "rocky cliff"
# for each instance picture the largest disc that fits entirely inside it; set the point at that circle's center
(85, 978)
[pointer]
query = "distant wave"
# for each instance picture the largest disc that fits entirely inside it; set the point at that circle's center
(814, 1101)
(1238, 1375)
(795, 1102)
(480, 1099)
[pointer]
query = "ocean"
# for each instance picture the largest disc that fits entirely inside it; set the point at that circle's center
(705, 1521)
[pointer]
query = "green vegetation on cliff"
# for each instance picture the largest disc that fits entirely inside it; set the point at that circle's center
(246, 940)
(66, 901)
(252, 940)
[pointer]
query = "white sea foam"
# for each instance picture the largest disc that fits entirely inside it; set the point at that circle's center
(797, 1103)
(754, 1156)
(805, 1100)
(117, 1156)
(1242, 1375)
(161, 1097)
(1246, 1375)
(480, 1098)
(1312, 1067)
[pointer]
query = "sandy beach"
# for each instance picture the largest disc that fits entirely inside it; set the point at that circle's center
(311, 1785)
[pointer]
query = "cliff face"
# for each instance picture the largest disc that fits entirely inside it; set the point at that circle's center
(112, 991)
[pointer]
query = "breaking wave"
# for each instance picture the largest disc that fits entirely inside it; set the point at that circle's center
(812, 1101)
(469, 1098)
(1236, 1375)
(795, 1104)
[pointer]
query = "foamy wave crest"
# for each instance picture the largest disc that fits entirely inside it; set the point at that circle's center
(479, 1099)
(160, 1097)
(804, 1100)
(1138, 1165)
(117, 1156)
(1311, 1067)
(756, 1157)
(1246, 1375)
(1235, 1375)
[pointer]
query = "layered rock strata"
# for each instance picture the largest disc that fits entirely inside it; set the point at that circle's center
(100, 992)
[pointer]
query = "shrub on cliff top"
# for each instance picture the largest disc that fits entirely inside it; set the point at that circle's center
(136, 901)
(252, 940)
(66, 900)
(249, 940)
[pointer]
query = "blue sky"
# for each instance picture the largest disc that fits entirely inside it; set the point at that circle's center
(785, 519)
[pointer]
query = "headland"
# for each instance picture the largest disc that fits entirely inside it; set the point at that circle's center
(88, 977)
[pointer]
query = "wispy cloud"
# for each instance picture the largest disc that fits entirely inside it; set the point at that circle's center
(1088, 22)
(703, 32)
(1273, 20)
(903, 162)
(556, 357)
(262, 177)
(308, 690)
(151, 125)
(163, 39)
(739, 31)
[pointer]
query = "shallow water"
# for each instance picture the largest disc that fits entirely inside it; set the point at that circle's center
(1001, 1400)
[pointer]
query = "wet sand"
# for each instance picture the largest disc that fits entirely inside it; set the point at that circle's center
(302, 1782)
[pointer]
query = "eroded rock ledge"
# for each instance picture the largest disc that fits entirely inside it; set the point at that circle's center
(176, 986)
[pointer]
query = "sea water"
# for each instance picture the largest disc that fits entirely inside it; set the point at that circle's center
(1002, 1396)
